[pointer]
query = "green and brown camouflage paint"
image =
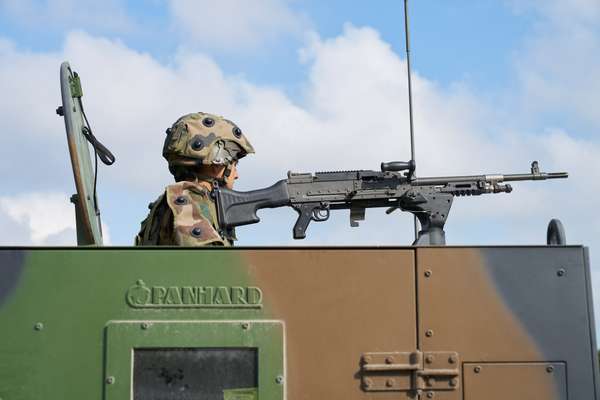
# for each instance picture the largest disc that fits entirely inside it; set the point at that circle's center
(520, 318)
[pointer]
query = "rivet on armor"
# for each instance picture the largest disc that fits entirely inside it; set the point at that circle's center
(196, 232)
(237, 132)
(477, 369)
(208, 122)
(560, 272)
(427, 273)
(429, 333)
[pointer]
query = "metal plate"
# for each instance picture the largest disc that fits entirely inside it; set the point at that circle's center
(441, 371)
(392, 371)
(509, 304)
(515, 381)
(193, 373)
(338, 304)
(127, 341)
(89, 231)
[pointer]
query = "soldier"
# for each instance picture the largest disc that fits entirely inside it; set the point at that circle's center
(202, 151)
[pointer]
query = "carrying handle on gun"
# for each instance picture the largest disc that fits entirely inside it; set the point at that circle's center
(396, 166)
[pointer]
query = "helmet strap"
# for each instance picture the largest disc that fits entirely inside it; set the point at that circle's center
(227, 171)
(210, 179)
(213, 180)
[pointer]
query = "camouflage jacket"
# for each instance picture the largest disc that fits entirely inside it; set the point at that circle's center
(184, 215)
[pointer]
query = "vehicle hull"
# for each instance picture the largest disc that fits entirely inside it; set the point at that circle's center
(517, 323)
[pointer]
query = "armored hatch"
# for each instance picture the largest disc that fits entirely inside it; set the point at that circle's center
(79, 138)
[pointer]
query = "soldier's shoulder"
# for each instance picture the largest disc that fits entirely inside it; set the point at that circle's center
(182, 194)
(194, 216)
(150, 231)
(187, 188)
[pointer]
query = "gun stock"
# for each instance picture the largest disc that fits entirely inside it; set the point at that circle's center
(239, 208)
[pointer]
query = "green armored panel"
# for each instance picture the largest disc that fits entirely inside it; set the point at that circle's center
(210, 360)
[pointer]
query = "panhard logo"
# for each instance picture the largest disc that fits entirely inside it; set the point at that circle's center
(142, 296)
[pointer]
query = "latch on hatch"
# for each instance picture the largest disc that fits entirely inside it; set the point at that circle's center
(408, 371)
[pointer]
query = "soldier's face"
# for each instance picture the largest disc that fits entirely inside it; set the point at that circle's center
(230, 180)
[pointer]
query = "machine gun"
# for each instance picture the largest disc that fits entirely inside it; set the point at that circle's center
(313, 196)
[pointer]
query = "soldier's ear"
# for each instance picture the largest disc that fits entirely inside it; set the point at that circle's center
(217, 171)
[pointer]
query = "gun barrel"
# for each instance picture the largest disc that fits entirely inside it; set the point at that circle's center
(444, 180)
(535, 177)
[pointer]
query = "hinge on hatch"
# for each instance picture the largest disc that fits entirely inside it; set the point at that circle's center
(410, 371)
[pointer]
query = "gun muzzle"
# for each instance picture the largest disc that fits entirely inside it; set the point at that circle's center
(540, 176)
(557, 175)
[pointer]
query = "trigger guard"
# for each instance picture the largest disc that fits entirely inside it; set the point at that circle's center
(317, 215)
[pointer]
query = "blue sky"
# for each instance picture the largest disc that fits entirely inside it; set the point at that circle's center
(497, 84)
(475, 40)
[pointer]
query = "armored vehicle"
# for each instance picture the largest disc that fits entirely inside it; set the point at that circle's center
(426, 321)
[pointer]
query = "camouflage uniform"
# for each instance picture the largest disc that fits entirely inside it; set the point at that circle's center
(185, 214)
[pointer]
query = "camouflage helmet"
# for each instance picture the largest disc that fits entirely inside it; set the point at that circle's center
(204, 139)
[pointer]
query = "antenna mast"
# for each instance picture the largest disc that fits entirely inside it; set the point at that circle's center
(410, 102)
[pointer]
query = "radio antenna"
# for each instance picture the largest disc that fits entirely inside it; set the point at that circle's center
(410, 103)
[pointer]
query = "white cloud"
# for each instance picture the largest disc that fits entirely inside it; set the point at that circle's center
(235, 24)
(40, 219)
(131, 98)
(354, 113)
(46, 217)
(559, 64)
